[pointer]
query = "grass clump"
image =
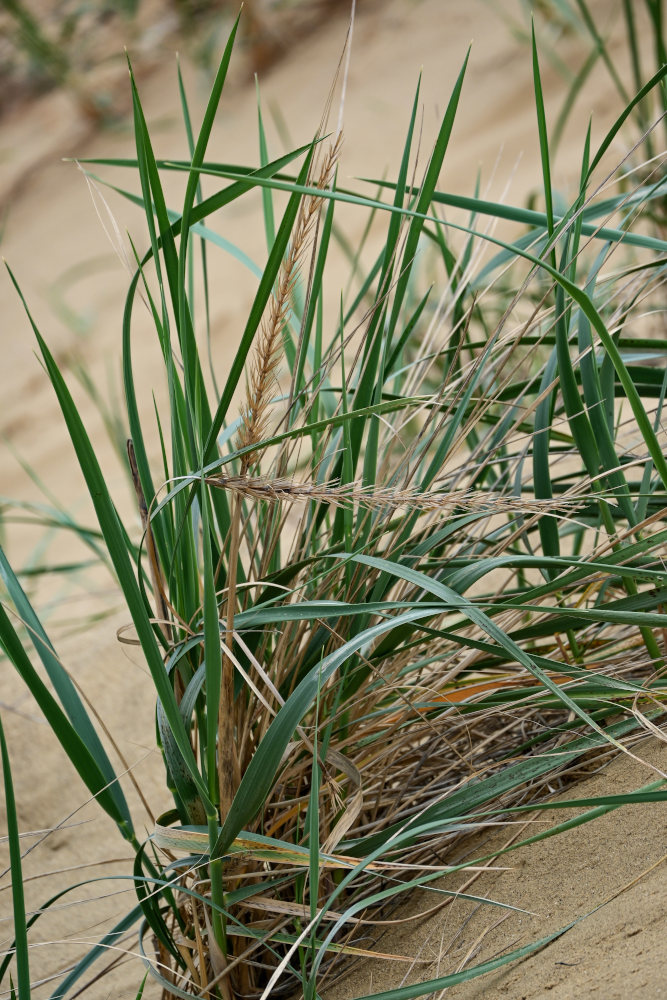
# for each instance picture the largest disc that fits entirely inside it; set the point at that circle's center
(411, 584)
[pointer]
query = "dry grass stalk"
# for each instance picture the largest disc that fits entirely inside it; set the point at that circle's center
(260, 388)
(229, 771)
(387, 498)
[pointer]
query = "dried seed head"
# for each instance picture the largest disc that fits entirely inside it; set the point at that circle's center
(263, 376)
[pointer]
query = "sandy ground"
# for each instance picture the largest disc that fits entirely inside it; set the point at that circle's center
(71, 277)
(610, 876)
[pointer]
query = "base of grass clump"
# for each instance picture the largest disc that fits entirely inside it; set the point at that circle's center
(411, 586)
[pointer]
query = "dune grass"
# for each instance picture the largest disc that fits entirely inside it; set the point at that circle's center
(404, 587)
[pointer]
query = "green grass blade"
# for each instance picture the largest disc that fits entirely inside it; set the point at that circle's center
(533, 218)
(658, 78)
(67, 693)
(432, 986)
(115, 540)
(16, 868)
(267, 198)
(426, 193)
(185, 322)
(71, 742)
(255, 316)
(544, 139)
(476, 615)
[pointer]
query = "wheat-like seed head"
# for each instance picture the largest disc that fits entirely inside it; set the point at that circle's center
(387, 498)
(262, 379)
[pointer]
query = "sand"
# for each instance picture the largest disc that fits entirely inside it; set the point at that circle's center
(70, 274)
(610, 876)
